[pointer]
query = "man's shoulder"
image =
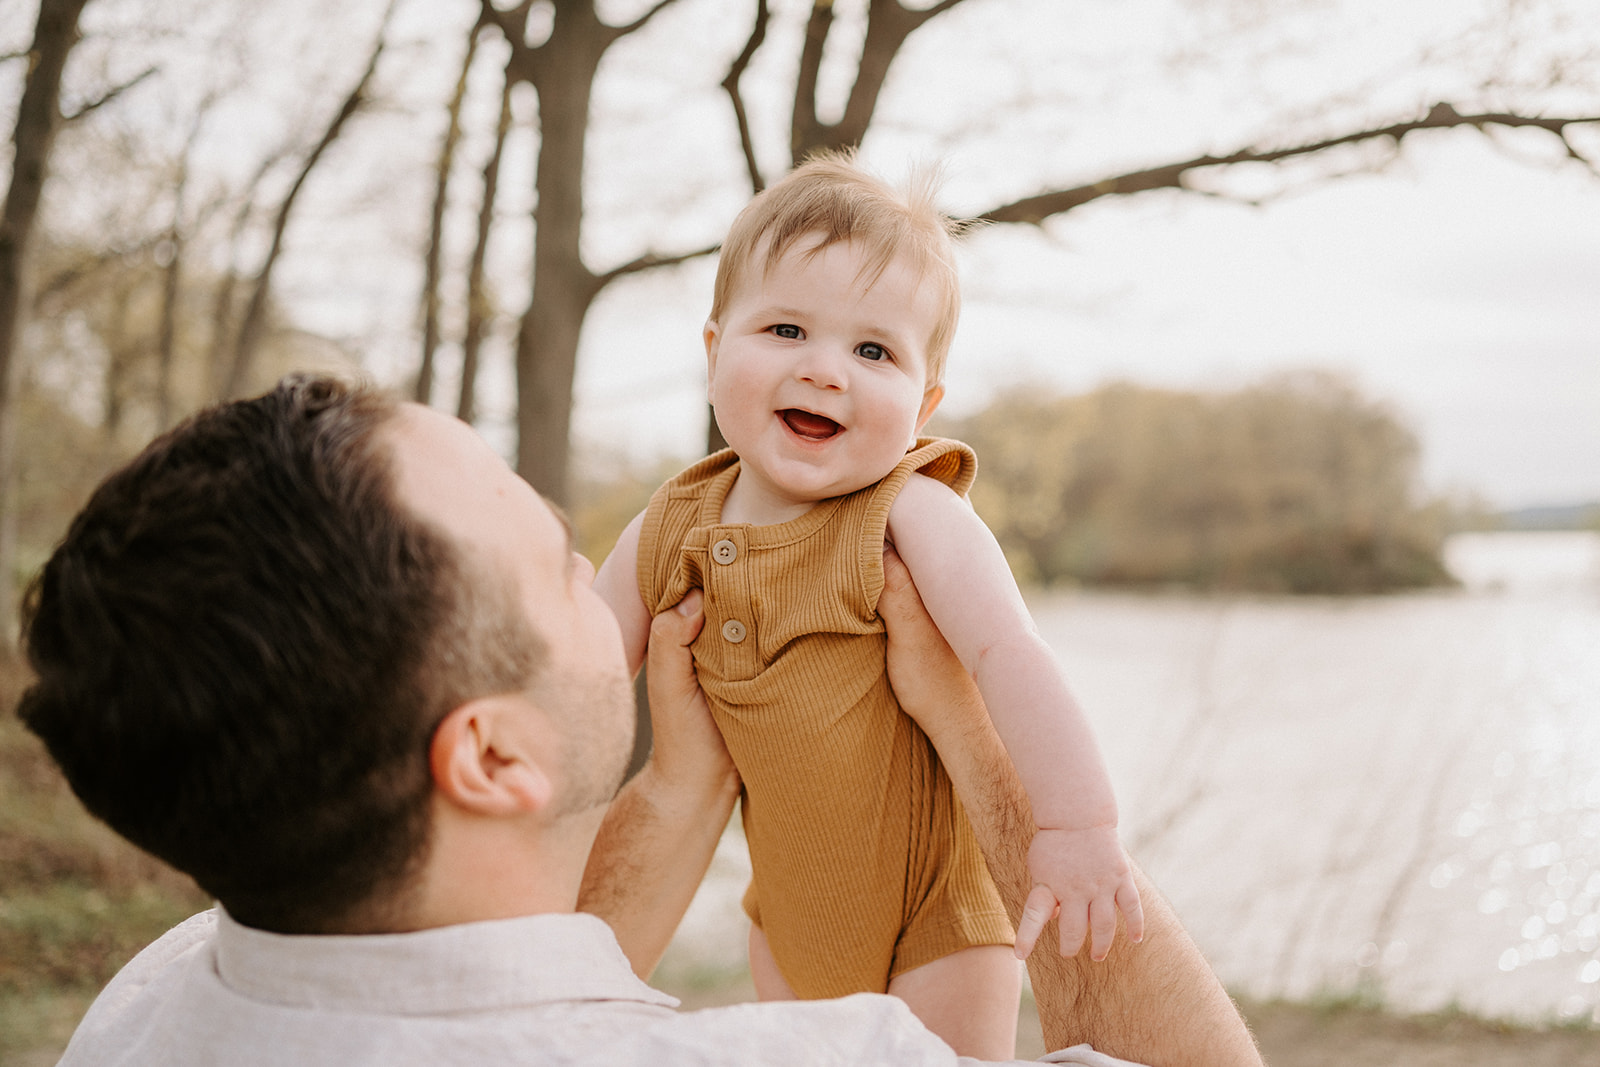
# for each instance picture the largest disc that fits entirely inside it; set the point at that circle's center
(865, 1028)
(147, 978)
(168, 1005)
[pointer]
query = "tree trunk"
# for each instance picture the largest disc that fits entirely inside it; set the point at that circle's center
(479, 311)
(167, 336)
(253, 325)
(38, 119)
(423, 393)
(563, 287)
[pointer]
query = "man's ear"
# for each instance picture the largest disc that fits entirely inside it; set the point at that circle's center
(481, 760)
(712, 335)
(930, 404)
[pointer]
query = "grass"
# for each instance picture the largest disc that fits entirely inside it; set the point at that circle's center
(76, 901)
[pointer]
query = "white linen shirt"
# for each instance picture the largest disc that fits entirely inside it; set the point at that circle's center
(543, 989)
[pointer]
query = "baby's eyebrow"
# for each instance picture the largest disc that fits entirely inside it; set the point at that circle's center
(779, 313)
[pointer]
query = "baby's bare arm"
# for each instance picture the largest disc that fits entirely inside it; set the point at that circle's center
(1156, 1002)
(967, 586)
(1076, 858)
(617, 582)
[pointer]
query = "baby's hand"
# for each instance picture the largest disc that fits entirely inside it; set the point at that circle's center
(1085, 876)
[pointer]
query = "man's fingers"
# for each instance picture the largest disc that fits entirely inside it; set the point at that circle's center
(1039, 908)
(676, 627)
(671, 666)
(1132, 910)
(896, 575)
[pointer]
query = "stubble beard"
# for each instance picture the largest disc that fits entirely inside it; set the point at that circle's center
(597, 739)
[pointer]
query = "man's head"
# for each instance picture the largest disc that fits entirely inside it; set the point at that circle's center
(828, 200)
(247, 641)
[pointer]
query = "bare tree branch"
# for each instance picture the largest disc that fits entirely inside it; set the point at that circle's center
(423, 392)
(1035, 209)
(651, 260)
(478, 309)
(638, 23)
(109, 95)
(176, 239)
(44, 295)
(222, 304)
(758, 34)
(507, 21)
(889, 23)
(806, 131)
(250, 327)
(38, 118)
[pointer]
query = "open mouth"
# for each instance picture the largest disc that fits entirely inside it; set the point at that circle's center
(810, 426)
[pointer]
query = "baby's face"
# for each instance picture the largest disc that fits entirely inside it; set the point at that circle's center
(819, 381)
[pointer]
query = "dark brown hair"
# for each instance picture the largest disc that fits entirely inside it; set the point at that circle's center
(243, 647)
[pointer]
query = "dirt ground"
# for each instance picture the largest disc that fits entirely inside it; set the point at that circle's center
(1298, 1035)
(1293, 1035)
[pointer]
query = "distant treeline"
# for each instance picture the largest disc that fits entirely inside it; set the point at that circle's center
(1549, 517)
(1298, 484)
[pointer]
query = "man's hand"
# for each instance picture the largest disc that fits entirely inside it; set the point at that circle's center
(686, 743)
(1085, 877)
(928, 680)
(659, 834)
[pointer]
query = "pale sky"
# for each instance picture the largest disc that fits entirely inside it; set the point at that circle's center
(1459, 282)
(1460, 285)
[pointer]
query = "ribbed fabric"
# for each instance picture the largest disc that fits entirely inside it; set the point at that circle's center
(864, 863)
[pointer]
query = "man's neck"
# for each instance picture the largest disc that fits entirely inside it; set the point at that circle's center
(479, 869)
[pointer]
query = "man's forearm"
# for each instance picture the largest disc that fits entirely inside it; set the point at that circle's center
(649, 857)
(1157, 1002)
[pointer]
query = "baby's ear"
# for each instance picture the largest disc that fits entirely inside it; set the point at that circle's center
(712, 335)
(930, 404)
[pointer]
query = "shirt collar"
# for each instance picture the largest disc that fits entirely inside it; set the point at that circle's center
(478, 966)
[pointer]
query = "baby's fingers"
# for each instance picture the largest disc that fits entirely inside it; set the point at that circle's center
(1039, 908)
(1074, 927)
(1102, 928)
(1132, 910)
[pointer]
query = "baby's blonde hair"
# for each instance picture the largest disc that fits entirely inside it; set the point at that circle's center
(830, 196)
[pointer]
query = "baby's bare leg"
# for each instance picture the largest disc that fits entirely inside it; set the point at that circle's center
(969, 998)
(769, 981)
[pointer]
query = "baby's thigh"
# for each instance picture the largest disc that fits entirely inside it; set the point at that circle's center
(969, 998)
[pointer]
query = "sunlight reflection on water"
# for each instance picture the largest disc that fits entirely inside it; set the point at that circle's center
(1397, 793)
(1400, 793)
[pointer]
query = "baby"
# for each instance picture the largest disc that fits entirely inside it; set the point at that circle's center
(835, 303)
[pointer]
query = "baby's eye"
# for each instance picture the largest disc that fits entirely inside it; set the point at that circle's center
(871, 350)
(788, 331)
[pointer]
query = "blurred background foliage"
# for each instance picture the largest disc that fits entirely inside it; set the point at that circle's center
(76, 901)
(1298, 484)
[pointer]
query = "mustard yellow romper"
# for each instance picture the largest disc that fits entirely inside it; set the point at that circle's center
(864, 863)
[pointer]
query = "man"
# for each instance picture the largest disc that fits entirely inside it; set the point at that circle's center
(326, 653)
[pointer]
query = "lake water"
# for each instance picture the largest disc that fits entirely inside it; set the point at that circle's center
(1398, 794)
